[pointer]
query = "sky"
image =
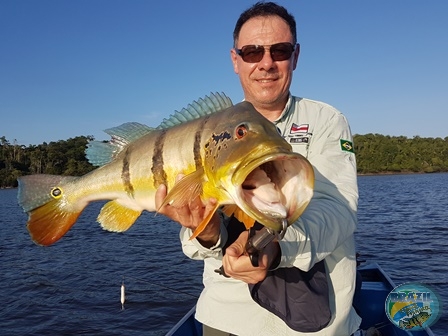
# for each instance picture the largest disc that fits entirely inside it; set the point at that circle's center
(76, 67)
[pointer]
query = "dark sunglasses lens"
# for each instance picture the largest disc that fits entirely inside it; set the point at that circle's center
(281, 51)
(252, 53)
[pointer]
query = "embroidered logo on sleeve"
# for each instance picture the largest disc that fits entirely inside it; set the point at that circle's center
(347, 146)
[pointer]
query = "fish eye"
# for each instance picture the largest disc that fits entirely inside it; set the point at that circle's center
(241, 131)
(56, 192)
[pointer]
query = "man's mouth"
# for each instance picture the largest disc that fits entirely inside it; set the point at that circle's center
(266, 80)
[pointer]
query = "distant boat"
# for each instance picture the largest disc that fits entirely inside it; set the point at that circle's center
(376, 286)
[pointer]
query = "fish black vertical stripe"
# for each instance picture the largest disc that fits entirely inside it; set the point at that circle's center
(159, 174)
(197, 143)
(126, 175)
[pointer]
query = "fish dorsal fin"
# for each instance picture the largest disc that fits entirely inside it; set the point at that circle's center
(203, 106)
(128, 132)
(100, 152)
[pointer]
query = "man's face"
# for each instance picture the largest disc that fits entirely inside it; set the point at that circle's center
(265, 83)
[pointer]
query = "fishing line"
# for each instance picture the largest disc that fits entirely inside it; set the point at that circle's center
(123, 294)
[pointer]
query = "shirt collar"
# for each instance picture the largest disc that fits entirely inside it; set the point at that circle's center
(286, 111)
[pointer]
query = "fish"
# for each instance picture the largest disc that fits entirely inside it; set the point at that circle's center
(415, 321)
(229, 152)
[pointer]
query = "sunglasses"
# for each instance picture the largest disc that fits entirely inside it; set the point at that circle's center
(254, 53)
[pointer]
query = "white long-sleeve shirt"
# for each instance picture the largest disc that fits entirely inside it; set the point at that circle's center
(323, 232)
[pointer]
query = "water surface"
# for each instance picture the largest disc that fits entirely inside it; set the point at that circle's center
(73, 286)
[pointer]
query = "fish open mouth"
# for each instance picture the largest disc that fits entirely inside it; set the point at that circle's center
(261, 191)
(275, 187)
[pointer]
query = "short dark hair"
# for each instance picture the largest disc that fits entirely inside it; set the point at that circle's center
(265, 9)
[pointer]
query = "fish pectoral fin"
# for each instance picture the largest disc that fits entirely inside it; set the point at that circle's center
(186, 190)
(204, 223)
(115, 217)
(239, 214)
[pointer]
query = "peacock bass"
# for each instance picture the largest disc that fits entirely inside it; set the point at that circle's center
(229, 152)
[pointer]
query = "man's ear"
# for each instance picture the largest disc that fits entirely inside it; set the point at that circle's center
(296, 56)
(234, 59)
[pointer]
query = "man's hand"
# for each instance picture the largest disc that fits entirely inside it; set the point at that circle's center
(191, 215)
(237, 264)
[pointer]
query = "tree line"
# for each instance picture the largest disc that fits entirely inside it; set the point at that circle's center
(64, 157)
(375, 154)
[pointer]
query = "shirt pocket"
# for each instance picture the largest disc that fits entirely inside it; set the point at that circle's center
(300, 143)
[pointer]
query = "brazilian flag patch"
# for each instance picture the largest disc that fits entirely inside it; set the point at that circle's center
(347, 146)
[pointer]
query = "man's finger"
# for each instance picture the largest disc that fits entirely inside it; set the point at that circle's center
(160, 195)
(238, 248)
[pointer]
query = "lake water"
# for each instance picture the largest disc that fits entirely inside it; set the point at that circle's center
(73, 287)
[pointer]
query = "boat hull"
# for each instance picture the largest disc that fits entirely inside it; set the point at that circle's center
(370, 305)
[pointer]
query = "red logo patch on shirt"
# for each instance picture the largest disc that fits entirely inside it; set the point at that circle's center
(303, 128)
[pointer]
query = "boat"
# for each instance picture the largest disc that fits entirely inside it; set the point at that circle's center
(376, 286)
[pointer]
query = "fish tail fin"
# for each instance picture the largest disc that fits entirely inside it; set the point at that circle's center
(48, 223)
(204, 223)
(49, 216)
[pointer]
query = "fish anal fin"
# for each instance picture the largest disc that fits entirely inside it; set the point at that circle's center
(115, 217)
(185, 190)
(204, 223)
(48, 223)
(233, 209)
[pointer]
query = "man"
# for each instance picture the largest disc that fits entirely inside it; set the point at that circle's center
(264, 56)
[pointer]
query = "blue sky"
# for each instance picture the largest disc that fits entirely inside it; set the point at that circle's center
(70, 68)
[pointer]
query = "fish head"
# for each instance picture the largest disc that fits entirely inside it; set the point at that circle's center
(248, 159)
